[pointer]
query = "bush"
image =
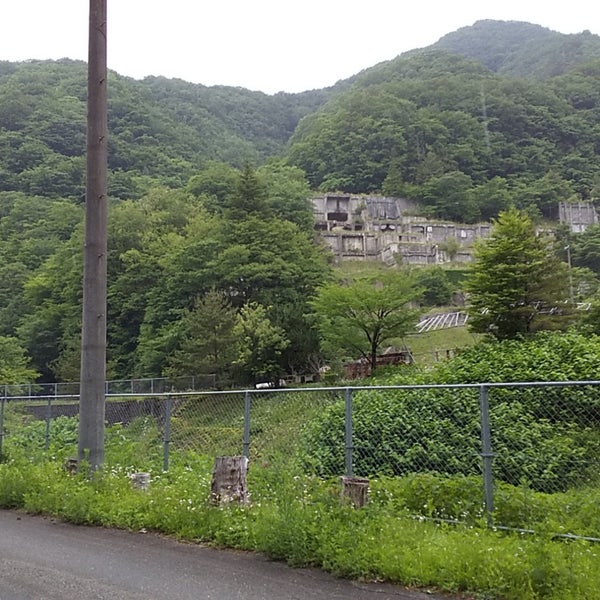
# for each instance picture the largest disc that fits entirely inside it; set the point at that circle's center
(397, 432)
(437, 290)
(546, 357)
(30, 438)
(542, 436)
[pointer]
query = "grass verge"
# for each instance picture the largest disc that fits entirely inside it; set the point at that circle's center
(301, 520)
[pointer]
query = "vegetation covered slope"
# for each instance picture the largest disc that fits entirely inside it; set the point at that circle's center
(160, 130)
(251, 244)
(517, 49)
(465, 142)
(452, 116)
(431, 125)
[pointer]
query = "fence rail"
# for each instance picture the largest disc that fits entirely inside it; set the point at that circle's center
(154, 385)
(541, 437)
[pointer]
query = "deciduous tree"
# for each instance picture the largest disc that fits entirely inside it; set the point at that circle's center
(357, 318)
(260, 343)
(14, 364)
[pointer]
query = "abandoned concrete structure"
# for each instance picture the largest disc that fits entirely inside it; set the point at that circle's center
(387, 229)
(358, 227)
(577, 215)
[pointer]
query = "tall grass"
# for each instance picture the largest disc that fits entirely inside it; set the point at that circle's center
(301, 520)
(403, 535)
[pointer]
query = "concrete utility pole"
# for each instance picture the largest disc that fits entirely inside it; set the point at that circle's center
(93, 333)
(570, 267)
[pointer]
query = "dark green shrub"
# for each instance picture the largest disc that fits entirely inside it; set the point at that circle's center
(547, 357)
(541, 436)
(437, 290)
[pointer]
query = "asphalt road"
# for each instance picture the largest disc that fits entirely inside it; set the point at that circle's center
(44, 559)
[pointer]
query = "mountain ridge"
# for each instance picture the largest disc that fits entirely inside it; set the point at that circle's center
(166, 130)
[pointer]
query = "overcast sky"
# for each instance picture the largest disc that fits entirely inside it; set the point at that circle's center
(267, 45)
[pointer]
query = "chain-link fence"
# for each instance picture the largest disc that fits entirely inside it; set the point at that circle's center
(516, 448)
(153, 385)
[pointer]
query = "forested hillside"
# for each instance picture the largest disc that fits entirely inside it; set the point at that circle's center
(181, 265)
(521, 49)
(491, 114)
(209, 190)
(161, 131)
(466, 142)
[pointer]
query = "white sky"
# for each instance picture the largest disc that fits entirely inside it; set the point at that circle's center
(267, 45)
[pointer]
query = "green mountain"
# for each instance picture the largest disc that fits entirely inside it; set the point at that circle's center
(517, 49)
(491, 114)
(161, 130)
(459, 126)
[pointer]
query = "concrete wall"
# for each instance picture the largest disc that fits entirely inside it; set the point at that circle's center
(578, 215)
(382, 228)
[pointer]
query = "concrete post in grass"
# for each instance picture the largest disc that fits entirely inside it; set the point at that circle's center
(140, 481)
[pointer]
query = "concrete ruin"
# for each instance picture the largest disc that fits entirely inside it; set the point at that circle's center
(387, 229)
(577, 215)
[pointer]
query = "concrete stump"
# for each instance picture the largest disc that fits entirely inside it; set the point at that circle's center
(229, 480)
(355, 490)
(140, 481)
(71, 465)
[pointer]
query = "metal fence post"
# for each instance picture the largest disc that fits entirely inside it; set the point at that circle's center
(487, 455)
(2, 403)
(167, 436)
(247, 404)
(349, 436)
(49, 418)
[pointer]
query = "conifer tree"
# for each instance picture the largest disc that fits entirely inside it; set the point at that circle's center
(208, 342)
(250, 197)
(517, 285)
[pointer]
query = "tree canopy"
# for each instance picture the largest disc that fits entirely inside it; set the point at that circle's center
(14, 367)
(356, 318)
(523, 112)
(210, 193)
(174, 257)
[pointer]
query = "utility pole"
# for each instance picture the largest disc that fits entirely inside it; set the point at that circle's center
(93, 332)
(570, 267)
